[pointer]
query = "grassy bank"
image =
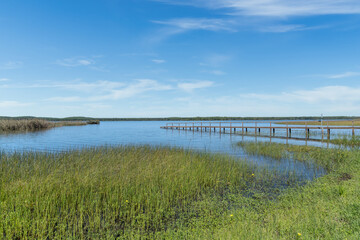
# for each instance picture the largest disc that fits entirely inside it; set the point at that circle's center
(162, 193)
(356, 122)
(8, 126)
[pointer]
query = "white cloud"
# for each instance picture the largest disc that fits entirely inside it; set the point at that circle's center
(187, 24)
(4, 79)
(215, 60)
(11, 104)
(190, 86)
(258, 15)
(75, 62)
(217, 72)
(338, 94)
(140, 86)
(345, 75)
(158, 61)
(276, 8)
(64, 99)
(11, 65)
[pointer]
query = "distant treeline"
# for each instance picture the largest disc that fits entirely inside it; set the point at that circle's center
(215, 118)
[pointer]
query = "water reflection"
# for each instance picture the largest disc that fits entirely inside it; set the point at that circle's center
(149, 132)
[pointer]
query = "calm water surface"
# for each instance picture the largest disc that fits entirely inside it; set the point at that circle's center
(149, 133)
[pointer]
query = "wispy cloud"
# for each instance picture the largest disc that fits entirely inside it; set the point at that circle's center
(339, 94)
(217, 72)
(158, 61)
(75, 62)
(64, 99)
(215, 60)
(138, 87)
(187, 24)
(276, 8)
(182, 25)
(4, 79)
(344, 75)
(282, 28)
(11, 65)
(259, 15)
(190, 86)
(11, 104)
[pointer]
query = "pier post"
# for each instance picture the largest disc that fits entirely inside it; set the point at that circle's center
(287, 131)
(274, 131)
(193, 128)
(210, 127)
(270, 129)
(290, 132)
(230, 128)
(220, 127)
(242, 128)
(353, 129)
(255, 128)
(328, 135)
(201, 127)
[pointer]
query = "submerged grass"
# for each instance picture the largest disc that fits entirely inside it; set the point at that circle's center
(9, 126)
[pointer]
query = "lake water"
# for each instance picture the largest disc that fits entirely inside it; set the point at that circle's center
(149, 133)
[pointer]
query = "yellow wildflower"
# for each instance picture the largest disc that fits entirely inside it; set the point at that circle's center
(299, 234)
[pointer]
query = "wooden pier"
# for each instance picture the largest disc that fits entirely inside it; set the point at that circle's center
(256, 127)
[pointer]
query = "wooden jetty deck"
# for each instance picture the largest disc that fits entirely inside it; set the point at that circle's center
(256, 127)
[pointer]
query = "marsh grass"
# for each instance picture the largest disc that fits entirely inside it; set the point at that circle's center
(10, 126)
(347, 141)
(162, 193)
(121, 191)
(325, 122)
(327, 158)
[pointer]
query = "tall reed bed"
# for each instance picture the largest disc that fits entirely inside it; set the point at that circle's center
(24, 125)
(8, 126)
(107, 192)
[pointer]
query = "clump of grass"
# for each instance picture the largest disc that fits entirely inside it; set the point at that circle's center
(102, 192)
(353, 141)
(93, 122)
(327, 158)
(9, 126)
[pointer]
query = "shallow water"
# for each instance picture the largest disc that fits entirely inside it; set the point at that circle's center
(149, 133)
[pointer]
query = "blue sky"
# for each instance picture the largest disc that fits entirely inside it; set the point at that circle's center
(162, 58)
